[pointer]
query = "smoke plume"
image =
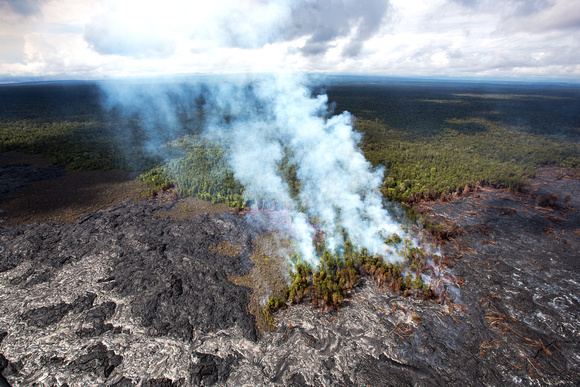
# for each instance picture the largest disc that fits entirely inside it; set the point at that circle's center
(262, 120)
(279, 117)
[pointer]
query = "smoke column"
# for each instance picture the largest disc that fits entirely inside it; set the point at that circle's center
(261, 118)
(276, 115)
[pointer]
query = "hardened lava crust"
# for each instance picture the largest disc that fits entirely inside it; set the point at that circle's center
(129, 296)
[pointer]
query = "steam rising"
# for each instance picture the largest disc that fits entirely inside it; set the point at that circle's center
(263, 119)
(339, 188)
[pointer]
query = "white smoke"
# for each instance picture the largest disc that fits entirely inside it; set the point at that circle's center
(339, 188)
(262, 119)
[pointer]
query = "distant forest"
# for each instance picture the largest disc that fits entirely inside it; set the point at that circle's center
(435, 139)
(440, 138)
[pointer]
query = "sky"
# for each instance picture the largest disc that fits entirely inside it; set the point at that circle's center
(97, 39)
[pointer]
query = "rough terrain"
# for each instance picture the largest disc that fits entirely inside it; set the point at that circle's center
(31, 190)
(131, 295)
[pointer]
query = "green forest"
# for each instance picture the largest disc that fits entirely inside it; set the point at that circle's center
(197, 169)
(434, 140)
(466, 153)
(437, 139)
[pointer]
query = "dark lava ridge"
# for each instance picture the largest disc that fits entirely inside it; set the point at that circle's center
(125, 297)
(182, 284)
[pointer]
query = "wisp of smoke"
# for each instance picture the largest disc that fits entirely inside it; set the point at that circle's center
(264, 119)
(277, 116)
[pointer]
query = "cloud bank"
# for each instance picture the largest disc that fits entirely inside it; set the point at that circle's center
(92, 39)
(22, 7)
(151, 28)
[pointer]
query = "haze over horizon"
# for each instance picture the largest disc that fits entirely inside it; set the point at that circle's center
(84, 40)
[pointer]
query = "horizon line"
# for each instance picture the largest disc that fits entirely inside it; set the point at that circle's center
(20, 80)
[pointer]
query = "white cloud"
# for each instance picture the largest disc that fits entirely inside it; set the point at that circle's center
(23, 8)
(102, 38)
(150, 28)
(12, 48)
(561, 15)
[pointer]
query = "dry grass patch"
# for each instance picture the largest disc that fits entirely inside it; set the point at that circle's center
(226, 248)
(267, 278)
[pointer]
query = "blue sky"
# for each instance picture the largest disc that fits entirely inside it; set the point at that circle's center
(94, 39)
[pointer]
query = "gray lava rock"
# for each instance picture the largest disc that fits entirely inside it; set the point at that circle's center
(388, 372)
(47, 315)
(96, 318)
(297, 380)
(8, 368)
(179, 282)
(211, 369)
(162, 383)
(124, 382)
(99, 360)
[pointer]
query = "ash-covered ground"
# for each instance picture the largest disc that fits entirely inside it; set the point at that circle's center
(125, 296)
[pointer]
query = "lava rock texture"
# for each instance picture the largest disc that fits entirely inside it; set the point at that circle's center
(16, 177)
(125, 297)
(117, 269)
(181, 283)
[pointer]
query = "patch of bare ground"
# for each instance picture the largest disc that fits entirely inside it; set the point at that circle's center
(64, 196)
(519, 256)
(9, 158)
(267, 278)
(226, 248)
